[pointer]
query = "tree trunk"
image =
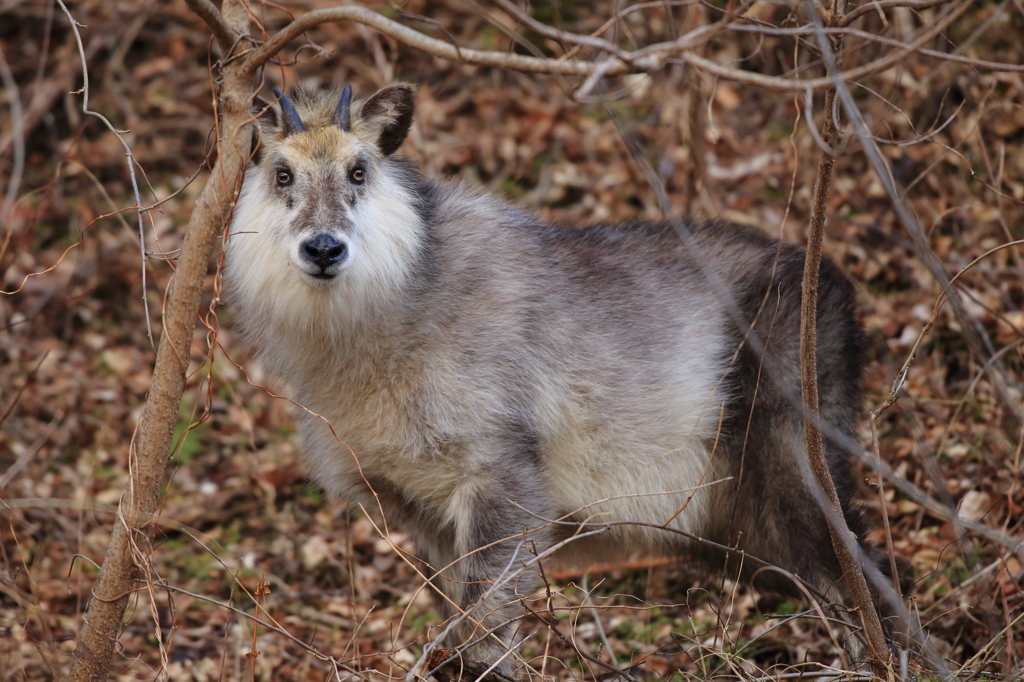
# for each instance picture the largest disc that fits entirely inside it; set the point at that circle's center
(130, 544)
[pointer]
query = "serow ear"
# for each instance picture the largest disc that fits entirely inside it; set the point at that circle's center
(264, 113)
(265, 120)
(387, 116)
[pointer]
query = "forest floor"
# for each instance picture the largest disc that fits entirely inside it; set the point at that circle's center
(238, 510)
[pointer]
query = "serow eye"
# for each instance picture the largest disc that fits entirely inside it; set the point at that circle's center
(358, 175)
(284, 178)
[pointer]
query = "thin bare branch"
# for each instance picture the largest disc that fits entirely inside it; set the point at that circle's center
(208, 12)
(257, 621)
(564, 36)
(646, 59)
(879, 5)
(412, 38)
(882, 40)
(788, 85)
(18, 132)
(127, 153)
(879, 658)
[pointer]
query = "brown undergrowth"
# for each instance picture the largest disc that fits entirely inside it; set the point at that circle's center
(237, 513)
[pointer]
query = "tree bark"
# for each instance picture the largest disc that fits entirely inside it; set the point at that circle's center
(150, 449)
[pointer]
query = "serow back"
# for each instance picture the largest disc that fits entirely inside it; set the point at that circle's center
(498, 381)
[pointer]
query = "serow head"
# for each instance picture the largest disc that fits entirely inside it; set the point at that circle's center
(323, 172)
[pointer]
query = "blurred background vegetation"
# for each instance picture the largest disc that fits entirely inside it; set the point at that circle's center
(75, 359)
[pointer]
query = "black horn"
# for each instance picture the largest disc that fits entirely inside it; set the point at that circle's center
(292, 120)
(341, 117)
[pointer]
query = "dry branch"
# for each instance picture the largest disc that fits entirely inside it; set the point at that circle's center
(17, 133)
(842, 537)
(645, 59)
(130, 157)
(151, 446)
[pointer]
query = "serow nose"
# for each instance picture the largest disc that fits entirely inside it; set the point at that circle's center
(323, 250)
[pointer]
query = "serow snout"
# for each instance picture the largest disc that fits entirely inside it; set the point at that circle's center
(324, 251)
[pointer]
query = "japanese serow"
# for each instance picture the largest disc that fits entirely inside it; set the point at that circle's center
(501, 384)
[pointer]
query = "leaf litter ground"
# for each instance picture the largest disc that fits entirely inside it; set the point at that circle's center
(238, 511)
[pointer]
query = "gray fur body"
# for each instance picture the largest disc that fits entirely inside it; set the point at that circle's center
(469, 357)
